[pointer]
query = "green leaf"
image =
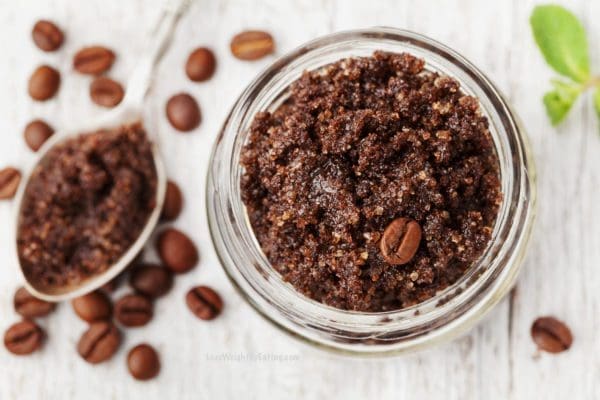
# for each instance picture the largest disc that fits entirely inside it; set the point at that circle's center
(559, 101)
(597, 102)
(562, 40)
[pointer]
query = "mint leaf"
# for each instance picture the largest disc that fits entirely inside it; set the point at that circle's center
(562, 40)
(597, 102)
(559, 101)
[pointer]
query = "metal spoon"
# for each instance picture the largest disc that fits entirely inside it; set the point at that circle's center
(129, 111)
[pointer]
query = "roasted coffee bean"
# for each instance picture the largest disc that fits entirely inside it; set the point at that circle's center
(177, 251)
(116, 282)
(151, 280)
(183, 112)
(47, 36)
(133, 310)
(173, 202)
(94, 306)
(143, 362)
(400, 241)
(551, 335)
(24, 337)
(110, 286)
(93, 60)
(36, 133)
(252, 45)
(44, 83)
(30, 306)
(106, 92)
(201, 64)
(204, 302)
(99, 342)
(9, 182)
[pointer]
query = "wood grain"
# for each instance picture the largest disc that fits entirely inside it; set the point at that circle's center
(497, 360)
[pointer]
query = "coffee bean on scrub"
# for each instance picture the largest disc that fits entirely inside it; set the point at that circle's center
(400, 241)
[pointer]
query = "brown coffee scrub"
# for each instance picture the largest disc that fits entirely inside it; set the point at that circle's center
(358, 144)
(86, 203)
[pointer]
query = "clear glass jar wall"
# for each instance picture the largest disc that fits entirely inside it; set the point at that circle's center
(440, 318)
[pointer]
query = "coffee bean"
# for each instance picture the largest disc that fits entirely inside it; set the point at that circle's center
(47, 36)
(9, 182)
(201, 64)
(151, 280)
(183, 112)
(99, 342)
(551, 335)
(106, 92)
(400, 241)
(94, 306)
(36, 133)
(24, 337)
(110, 286)
(116, 282)
(143, 362)
(133, 310)
(173, 202)
(252, 45)
(204, 302)
(93, 60)
(177, 251)
(44, 83)
(30, 306)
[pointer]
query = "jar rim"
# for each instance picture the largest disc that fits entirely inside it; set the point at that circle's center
(453, 308)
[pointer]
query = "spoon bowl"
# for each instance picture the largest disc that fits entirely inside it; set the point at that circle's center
(128, 112)
(61, 293)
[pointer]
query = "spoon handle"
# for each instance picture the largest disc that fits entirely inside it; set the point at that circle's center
(140, 80)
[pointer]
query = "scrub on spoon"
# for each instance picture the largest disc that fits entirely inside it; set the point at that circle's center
(129, 112)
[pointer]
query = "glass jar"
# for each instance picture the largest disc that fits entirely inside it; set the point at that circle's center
(443, 317)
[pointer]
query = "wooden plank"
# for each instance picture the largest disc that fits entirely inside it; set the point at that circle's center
(561, 273)
(218, 360)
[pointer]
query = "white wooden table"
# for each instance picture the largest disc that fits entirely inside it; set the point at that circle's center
(494, 361)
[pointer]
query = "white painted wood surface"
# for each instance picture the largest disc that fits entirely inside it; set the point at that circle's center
(494, 361)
